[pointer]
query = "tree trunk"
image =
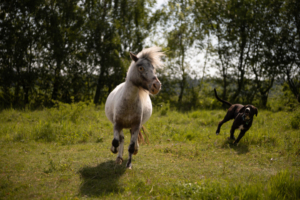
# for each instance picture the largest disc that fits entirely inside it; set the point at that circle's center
(16, 95)
(224, 95)
(182, 86)
(264, 99)
(100, 86)
(26, 95)
(241, 70)
(292, 85)
(56, 81)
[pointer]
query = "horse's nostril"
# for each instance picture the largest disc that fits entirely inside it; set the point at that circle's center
(154, 85)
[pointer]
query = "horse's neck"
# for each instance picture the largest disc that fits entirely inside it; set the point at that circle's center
(130, 91)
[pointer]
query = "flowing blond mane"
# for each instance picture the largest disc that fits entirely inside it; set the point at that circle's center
(153, 54)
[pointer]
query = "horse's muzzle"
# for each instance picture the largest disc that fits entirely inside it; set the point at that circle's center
(155, 87)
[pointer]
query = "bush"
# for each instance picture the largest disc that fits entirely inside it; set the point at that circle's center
(295, 121)
(45, 132)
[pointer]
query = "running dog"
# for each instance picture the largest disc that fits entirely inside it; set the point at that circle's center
(242, 115)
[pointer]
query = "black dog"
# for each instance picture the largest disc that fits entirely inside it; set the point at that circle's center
(242, 115)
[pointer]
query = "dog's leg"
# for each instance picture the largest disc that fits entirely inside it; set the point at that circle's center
(242, 133)
(232, 133)
(226, 119)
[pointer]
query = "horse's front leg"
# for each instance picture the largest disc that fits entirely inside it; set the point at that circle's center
(119, 159)
(116, 141)
(136, 146)
(133, 142)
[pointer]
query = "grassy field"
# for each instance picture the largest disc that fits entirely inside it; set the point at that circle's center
(63, 153)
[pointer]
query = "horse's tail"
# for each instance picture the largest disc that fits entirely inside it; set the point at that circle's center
(141, 137)
(223, 101)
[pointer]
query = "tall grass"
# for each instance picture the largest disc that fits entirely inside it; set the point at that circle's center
(63, 153)
(64, 124)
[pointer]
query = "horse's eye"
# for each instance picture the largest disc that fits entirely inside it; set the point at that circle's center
(141, 69)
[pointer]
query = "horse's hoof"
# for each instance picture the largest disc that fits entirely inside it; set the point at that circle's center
(119, 161)
(128, 165)
(135, 151)
(114, 149)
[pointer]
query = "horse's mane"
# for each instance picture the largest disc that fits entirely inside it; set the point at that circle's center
(152, 54)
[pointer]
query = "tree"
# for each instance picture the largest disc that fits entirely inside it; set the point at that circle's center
(180, 38)
(290, 26)
(211, 16)
(114, 28)
(18, 57)
(61, 24)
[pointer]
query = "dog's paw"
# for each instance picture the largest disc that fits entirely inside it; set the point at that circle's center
(217, 132)
(235, 143)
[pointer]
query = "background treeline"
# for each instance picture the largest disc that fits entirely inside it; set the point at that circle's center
(78, 50)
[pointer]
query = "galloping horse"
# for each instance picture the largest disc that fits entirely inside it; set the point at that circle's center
(129, 104)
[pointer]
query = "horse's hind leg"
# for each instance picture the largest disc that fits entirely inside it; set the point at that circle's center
(116, 141)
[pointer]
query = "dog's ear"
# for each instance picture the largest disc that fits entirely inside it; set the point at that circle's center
(254, 110)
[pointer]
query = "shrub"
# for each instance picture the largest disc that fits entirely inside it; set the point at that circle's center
(295, 121)
(45, 132)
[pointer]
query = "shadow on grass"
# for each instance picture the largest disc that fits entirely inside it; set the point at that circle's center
(240, 148)
(102, 179)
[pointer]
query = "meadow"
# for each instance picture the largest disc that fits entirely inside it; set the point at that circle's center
(64, 153)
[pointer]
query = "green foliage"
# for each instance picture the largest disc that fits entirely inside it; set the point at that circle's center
(53, 49)
(164, 108)
(295, 123)
(45, 132)
(76, 51)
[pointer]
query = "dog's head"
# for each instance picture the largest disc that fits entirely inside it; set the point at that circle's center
(249, 111)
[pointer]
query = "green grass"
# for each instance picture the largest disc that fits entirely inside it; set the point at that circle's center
(64, 154)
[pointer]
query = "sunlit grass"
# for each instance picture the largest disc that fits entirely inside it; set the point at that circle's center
(64, 154)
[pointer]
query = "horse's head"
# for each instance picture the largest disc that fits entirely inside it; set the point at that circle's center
(142, 74)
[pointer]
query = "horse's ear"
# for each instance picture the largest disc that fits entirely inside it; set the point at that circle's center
(133, 57)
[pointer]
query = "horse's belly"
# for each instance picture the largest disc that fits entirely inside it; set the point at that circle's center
(128, 113)
(127, 121)
(132, 115)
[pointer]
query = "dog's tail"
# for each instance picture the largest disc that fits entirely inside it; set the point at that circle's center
(223, 101)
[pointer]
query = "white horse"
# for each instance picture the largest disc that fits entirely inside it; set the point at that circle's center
(129, 104)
